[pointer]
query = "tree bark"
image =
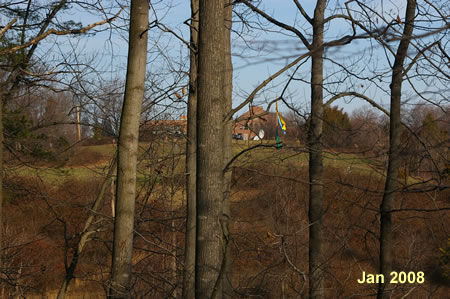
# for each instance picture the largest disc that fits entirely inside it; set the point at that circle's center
(191, 161)
(227, 287)
(1, 177)
(394, 152)
(210, 243)
(316, 273)
(128, 150)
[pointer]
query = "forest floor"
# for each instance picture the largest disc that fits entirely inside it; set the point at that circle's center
(47, 204)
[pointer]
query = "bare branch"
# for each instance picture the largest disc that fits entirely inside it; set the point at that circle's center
(164, 28)
(303, 12)
(59, 32)
(264, 83)
(6, 28)
(278, 23)
(358, 95)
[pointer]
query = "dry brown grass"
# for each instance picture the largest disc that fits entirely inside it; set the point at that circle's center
(270, 230)
(269, 235)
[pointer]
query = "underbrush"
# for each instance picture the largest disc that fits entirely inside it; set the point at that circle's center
(43, 223)
(270, 233)
(269, 228)
(84, 156)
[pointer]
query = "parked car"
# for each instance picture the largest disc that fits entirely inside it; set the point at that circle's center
(238, 136)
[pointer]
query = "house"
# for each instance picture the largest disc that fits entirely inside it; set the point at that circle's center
(246, 127)
(251, 127)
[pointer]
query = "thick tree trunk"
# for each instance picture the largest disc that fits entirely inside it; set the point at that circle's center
(227, 288)
(128, 151)
(1, 178)
(210, 243)
(394, 153)
(191, 162)
(316, 272)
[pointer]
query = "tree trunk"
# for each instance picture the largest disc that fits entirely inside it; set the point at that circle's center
(316, 273)
(227, 287)
(1, 178)
(191, 161)
(128, 150)
(210, 243)
(394, 153)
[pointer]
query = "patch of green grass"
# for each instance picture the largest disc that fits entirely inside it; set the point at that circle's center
(59, 175)
(104, 149)
(291, 155)
(295, 155)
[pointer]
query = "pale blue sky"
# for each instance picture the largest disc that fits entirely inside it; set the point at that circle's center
(252, 67)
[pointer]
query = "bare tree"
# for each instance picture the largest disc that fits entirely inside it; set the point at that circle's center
(86, 233)
(394, 151)
(191, 162)
(316, 48)
(226, 278)
(210, 240)
(316, 271)
(128, 150)
(20, 56)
